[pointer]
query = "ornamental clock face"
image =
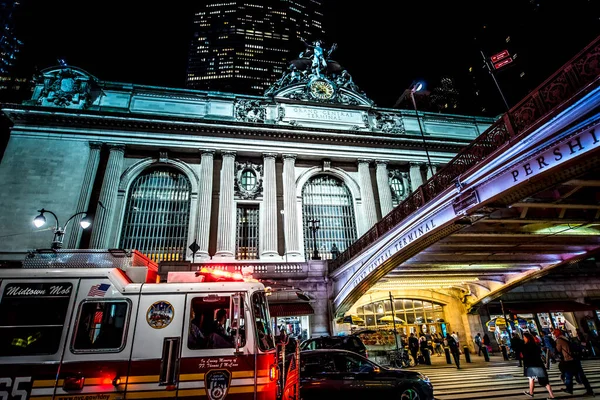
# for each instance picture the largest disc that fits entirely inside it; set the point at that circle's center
(321, 89)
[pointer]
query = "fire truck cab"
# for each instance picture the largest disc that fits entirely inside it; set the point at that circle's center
(93, 324)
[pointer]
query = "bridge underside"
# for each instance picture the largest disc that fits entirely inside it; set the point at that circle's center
(515, 241)
(521, 233)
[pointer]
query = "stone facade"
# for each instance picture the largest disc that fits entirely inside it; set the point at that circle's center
(83, 147)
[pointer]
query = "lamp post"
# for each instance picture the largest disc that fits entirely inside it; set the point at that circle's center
(59, 233)
(415, 87)
(314, 227)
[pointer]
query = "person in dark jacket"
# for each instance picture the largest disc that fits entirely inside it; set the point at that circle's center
(517, 346)
(423, 347)
(569, 365)
(453, 349)
(533, 365)
(413, 346)
(487, 342)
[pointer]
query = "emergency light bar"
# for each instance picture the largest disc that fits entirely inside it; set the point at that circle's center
(205, 274)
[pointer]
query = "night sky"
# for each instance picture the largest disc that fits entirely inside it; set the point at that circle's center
(384, 47)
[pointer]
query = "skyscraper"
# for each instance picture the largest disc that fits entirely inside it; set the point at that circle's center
(9, 47)
(243, 46)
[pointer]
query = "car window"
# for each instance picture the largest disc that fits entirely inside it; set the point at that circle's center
(357, 343)
(351, 363)
(309, 345)
(317, 364)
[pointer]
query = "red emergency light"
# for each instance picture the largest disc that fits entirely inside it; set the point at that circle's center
(217, 275)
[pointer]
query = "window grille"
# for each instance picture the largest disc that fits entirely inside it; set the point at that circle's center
(157, 215)
(397, 190)
(247, 232)
(327, 199)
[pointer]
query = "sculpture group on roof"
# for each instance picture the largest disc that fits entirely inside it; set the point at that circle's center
(315, 63)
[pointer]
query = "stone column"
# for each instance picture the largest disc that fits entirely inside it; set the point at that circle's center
(290, 210)
(204, 203)
(368, 200)
(269, 228)
(226, 223)
(407, 185)
(383, 187)
(416, 179)
(85, 193)
(108, 194)
(434, 167)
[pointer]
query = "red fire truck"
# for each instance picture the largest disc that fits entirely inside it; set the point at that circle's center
(93, 324)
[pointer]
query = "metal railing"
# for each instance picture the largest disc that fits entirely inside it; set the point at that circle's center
(516, 124)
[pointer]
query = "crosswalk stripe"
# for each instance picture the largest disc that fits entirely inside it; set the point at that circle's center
(501, 382)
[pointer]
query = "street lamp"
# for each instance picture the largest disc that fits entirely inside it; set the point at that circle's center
(314, 227)
(416, 87)
(59, 233)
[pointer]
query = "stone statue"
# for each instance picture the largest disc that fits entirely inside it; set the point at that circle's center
(345, 80)
(318, 54)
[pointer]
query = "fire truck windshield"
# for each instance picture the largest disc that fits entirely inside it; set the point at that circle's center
(261, 318)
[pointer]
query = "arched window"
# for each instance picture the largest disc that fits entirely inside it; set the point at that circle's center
(157, 215)
(328, 200)
(408, 315)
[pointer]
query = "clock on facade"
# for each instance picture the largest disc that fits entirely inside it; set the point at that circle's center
(321, 89)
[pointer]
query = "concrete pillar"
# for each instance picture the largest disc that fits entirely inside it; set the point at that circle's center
(108, 194)
(226, 223)
(368, 200)
(269, 231)
(290, 213)
(204, 203)
(85, 193)
(383, 187)
(416, 179)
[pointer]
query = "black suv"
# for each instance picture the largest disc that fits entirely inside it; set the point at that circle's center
(344, 374)
(350, 343)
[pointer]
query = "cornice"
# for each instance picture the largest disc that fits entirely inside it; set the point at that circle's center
(44, 116)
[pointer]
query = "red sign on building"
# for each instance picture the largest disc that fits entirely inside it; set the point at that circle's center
(500, 56)
(502, 63)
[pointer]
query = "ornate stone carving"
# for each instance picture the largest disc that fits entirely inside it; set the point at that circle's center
(242, 188)
(395, 176)
(314, 77)
(65, 87)
(250, 111)
(280, 113)
(163, 156)
(388, 123)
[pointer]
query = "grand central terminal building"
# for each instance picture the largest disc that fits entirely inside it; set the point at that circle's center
(275, 186)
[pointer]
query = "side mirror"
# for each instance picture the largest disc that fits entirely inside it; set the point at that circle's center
(376, 370)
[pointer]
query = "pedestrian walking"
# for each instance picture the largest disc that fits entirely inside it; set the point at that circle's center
(516, 344)
(413, 346)
(570, 365)
(424, 348)
(487, 342)
(548, 346)
(453, 345)
(479, 342)
(533, 366)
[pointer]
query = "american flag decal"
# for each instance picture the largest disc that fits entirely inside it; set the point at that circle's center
(98, 290)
